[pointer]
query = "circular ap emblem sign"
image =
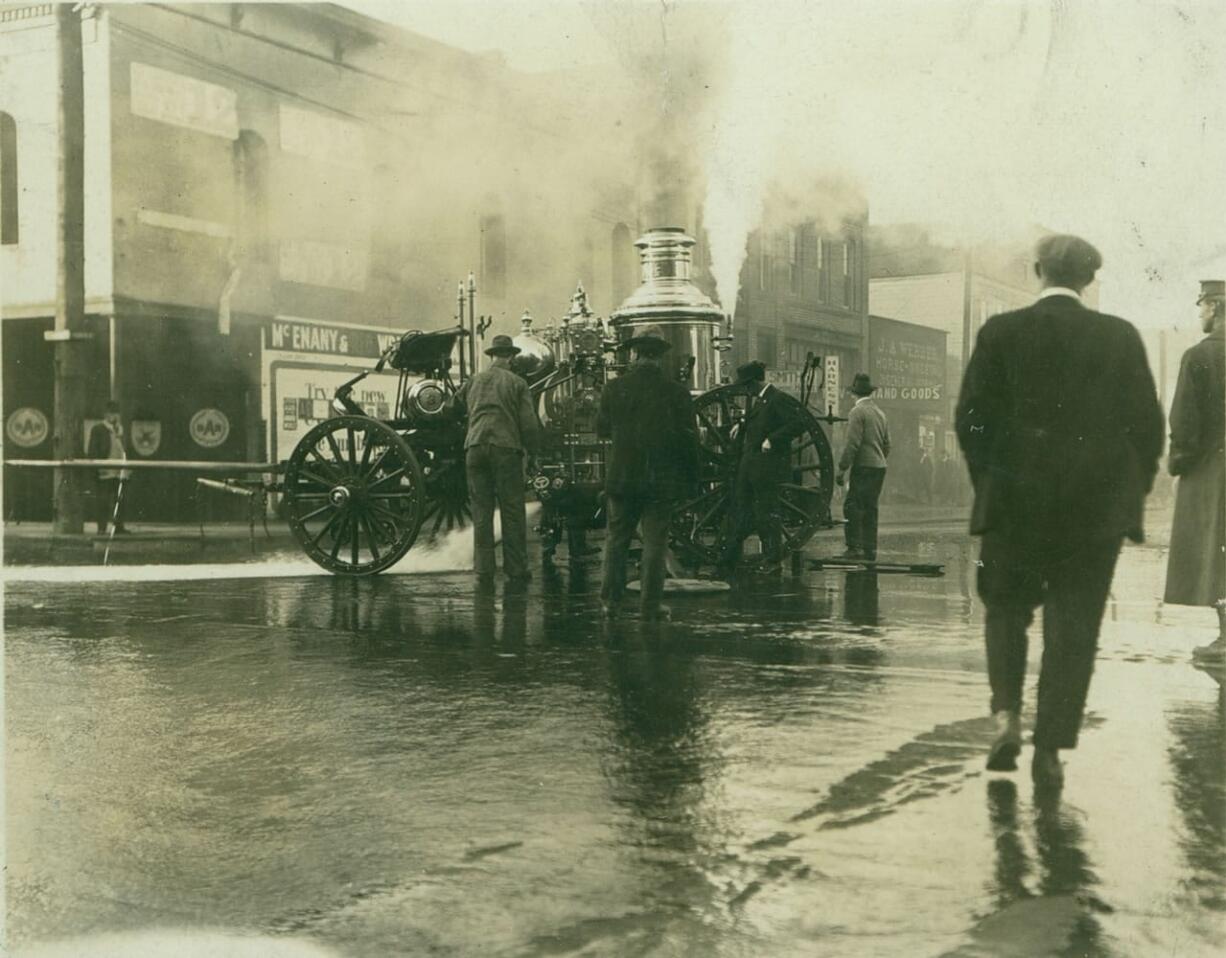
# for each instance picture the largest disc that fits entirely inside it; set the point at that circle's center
(209, 428)
(27, 427)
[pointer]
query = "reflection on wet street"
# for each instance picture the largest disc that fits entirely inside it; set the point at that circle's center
(400, 766)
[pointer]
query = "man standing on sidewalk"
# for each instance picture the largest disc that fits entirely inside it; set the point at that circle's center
(106, 442)
(1196, 569)
(865, 454)
(653, 462)
(1062, 430)
(502, 429)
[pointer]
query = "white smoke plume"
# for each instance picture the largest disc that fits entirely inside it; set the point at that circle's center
(983, 119)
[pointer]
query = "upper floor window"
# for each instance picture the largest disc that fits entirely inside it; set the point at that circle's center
(251, 173)
(624, 265)
(494, 255)
(794, 271)
(8, 180)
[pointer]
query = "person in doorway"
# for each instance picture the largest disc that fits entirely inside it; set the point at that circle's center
(1061, 426)
(945, 484)
(106, 441)
(502, 430)
(766, 449)
(927, 474)
(653, 462)
(864, 454)
(1196, 568)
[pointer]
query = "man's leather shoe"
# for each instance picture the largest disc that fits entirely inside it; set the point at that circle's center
(1045, 768)
(1002, 757)
(1212, 654)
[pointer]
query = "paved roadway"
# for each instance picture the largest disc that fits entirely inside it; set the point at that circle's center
(398, 766)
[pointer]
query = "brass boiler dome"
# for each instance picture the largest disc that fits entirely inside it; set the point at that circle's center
(535, 359)
(669, 298)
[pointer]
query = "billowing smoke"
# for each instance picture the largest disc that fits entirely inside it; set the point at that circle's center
(981, 119)
(985, 119)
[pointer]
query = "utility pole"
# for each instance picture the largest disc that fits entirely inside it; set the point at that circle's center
(69, 335)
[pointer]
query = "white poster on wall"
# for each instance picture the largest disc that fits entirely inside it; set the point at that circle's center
(301, 397)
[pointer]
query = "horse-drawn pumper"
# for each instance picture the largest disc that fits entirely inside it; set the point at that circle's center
(359, 492)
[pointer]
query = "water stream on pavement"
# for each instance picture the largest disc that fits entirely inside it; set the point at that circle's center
(401, 765)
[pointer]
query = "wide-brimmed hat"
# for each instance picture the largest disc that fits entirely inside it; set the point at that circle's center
(751, 372)
(648, 339)
(502, 346)
(1211, 289)
(861, 385)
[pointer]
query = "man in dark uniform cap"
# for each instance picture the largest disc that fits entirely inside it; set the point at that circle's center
(1062, 430)
(766, 449)
(653, 462)
(1196, 569)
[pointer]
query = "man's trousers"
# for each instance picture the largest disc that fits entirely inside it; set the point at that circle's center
(1072, 588)
(755, 506)
(626, 513)
(860, 508)
(496, 477)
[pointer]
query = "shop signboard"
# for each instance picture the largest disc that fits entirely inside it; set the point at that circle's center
(301, 397)
(907, 364)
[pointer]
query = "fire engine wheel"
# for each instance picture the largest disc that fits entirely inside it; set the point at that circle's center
(701, 527)
(355, 495)
(447, 507)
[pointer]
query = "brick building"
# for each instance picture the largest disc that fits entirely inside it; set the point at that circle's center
(270, 188)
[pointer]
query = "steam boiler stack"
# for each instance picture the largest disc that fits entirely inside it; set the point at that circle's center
(669, 298)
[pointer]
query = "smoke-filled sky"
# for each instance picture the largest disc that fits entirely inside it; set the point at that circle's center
(979, 117)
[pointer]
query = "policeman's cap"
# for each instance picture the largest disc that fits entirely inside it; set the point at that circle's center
(1211, 289)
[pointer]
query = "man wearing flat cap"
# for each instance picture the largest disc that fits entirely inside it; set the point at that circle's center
(864, 455)
(1062, 430)
(653, 463)
(1196, 568)
(502, 430)
(766, 449)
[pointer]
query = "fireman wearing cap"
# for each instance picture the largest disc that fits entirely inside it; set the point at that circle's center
(1196, 568)
(766, 447)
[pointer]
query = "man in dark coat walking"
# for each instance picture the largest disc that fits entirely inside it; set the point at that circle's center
(766, 438)
(502, 430)
(1062, 430)
(1196, 569)
(653, 462)
(865, 453)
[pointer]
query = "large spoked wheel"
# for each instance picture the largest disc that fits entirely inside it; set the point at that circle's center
(355, 495)
(447, 507)
(701, 527)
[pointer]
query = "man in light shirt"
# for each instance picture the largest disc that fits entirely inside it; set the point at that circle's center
(1062, 430)
(864, 454)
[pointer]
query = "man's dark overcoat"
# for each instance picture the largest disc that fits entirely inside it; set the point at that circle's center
(1196, 570)
(1061, 426)
(773, 416)
(650, 418)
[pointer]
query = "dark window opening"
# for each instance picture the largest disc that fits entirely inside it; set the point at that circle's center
(624, 263)
(494, 256)
(251, 174)
(8, 181)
